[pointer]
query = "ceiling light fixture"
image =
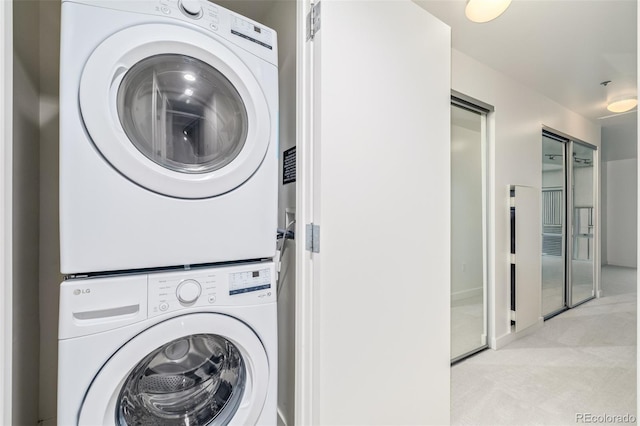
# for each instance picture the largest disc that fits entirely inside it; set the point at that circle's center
(624, 104)
(485, 10)
(619, 104)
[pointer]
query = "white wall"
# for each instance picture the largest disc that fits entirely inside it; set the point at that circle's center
(619, 153)
(282, 18)
(515, 158)
(622, 212)
(25, 201)
(604, 202)
(619, 142)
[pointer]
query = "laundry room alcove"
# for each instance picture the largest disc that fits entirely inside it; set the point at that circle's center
(36, 37)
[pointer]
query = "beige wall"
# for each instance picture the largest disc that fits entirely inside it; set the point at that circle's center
(282, 18)
(50, 277)
(26, 175)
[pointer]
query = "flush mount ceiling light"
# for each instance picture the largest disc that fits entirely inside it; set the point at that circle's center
(623, 104)
(619, 104)
(485, 10)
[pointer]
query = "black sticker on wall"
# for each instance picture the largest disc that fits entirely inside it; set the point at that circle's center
(289, 166)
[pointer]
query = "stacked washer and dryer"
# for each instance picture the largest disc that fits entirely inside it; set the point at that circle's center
(168, 204)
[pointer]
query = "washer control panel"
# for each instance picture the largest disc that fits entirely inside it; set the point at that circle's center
(243, 284)
(172, 291)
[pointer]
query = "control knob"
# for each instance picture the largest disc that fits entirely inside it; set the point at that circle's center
(191, 8)
(188, 292)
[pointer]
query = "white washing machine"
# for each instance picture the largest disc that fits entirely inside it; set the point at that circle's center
(168, 135)
(190, 347)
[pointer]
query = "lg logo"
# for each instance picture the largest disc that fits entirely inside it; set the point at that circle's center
(78, 291)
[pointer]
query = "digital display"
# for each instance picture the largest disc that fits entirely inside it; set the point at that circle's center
(245, 282)
(249, 31)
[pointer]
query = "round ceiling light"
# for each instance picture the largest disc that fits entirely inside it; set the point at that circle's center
(623, 105)
(485, 10)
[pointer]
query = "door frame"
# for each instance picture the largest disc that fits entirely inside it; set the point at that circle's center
(6, 152)
(305, 303)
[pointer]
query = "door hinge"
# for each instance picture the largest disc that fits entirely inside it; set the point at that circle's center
(312, 238)
(313, 21)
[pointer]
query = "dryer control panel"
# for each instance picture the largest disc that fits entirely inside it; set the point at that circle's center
(244, 284)
(210, 17)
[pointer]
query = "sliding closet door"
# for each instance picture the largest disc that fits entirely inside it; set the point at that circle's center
(568, 225)
(468, 255)
(553, 225)
(581, 241)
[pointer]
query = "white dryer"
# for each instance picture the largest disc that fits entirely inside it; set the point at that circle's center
(168, 135)
(194, 347)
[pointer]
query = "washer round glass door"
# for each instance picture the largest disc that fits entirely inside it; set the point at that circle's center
(175, 111)
(179, 372)
(191, 380)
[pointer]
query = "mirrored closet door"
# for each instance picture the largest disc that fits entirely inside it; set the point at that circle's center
(468, 229)
(553, 225)
(582, 225)
(568, 226)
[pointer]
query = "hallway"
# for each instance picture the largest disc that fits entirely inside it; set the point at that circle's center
(581, 361)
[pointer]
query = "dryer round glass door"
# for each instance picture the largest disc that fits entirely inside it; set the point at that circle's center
(195, 369)
(175, 111)
(182, 113)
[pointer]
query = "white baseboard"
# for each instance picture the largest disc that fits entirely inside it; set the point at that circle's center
(505, 339)
(466, 294)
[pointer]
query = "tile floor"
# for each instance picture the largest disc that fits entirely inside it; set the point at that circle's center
(581, 361)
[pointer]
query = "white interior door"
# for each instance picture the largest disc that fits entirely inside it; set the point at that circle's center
(373, 304)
